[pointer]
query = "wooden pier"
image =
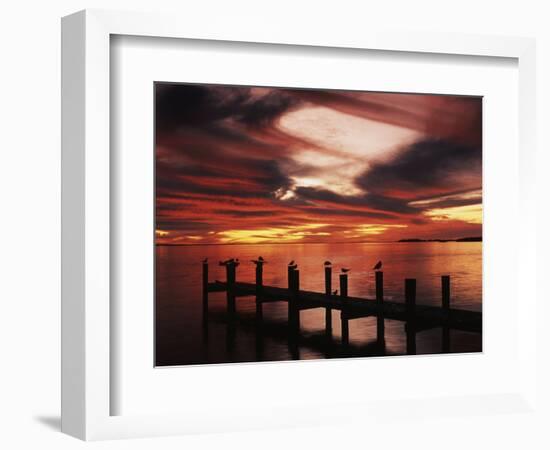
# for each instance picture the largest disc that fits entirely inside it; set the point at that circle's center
(417, 318)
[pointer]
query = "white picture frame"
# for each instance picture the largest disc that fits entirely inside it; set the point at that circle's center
(86, 220)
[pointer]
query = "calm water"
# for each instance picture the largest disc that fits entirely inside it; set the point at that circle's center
(182, 338)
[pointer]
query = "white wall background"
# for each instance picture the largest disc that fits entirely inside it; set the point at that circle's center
(30, 199)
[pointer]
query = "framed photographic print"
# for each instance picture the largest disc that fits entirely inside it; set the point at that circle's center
(300, 200)
(251, 216)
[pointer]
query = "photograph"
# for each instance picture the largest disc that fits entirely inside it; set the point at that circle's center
(308, 223)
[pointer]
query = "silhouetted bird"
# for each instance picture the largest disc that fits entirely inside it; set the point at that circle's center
(335, 292)
(260, 258)
(205, 260)
(378, 266)
(227, 262)
(345, 270)
(328, 263)
(291, 263)
(258, 261)
(293, 266)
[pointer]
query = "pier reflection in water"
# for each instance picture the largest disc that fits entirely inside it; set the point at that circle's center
(184, 335)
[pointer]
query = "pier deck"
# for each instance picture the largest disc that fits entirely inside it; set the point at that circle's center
(417, 318)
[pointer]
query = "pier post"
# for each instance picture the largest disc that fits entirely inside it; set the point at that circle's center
(289, 276)
(204, 290)
(380, 327)
(328, 309)
(343, 313)
(259, 286)
(446, 305)
(293, 311)
(205, 301)
(291, 299)
(410, 302)
(231, 277)
(259, 312)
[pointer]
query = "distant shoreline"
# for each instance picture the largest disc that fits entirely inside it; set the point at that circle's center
(465, 239)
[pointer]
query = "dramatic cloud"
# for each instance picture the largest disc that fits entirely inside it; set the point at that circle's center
(240, 164)
(427, 166)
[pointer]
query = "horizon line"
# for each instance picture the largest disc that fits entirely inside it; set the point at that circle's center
(401, 241)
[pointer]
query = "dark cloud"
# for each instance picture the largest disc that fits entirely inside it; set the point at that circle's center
(385, 206)
(242, 177)
(387, 203)
(173, 224)
(180, 105)
(242, 213)
(450, 202)
(425, 165)
(351, 213)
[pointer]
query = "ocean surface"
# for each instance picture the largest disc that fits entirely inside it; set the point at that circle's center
(182, 336)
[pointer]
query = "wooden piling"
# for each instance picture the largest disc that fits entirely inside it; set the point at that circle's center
(328, 310)
(204, 290)
(446, 306)
(380, 327)
(290, 269)
(410, 303)
(293, 310)
(343, 314)
(230, 270)
(296, 277)
(259, 285)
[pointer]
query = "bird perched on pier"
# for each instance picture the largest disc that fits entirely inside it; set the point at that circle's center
(258, 261)
(378, 266)
(335, 292)
(227, 262)
(205, 260)
(328, 263)
(291, 263)
(345, 270)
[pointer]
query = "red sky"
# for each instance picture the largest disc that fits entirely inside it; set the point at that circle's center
(270, 165)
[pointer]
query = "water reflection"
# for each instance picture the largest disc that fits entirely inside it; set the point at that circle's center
(186, 335)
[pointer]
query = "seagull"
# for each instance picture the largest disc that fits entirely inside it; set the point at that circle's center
(291, 263)
(378, 266)
(293, 266)
(205, 260)
(335, 292)
(328, 263)
(227, 262)
(345, 270)
(260, 259)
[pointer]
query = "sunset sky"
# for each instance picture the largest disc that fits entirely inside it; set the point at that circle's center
(272, 165)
